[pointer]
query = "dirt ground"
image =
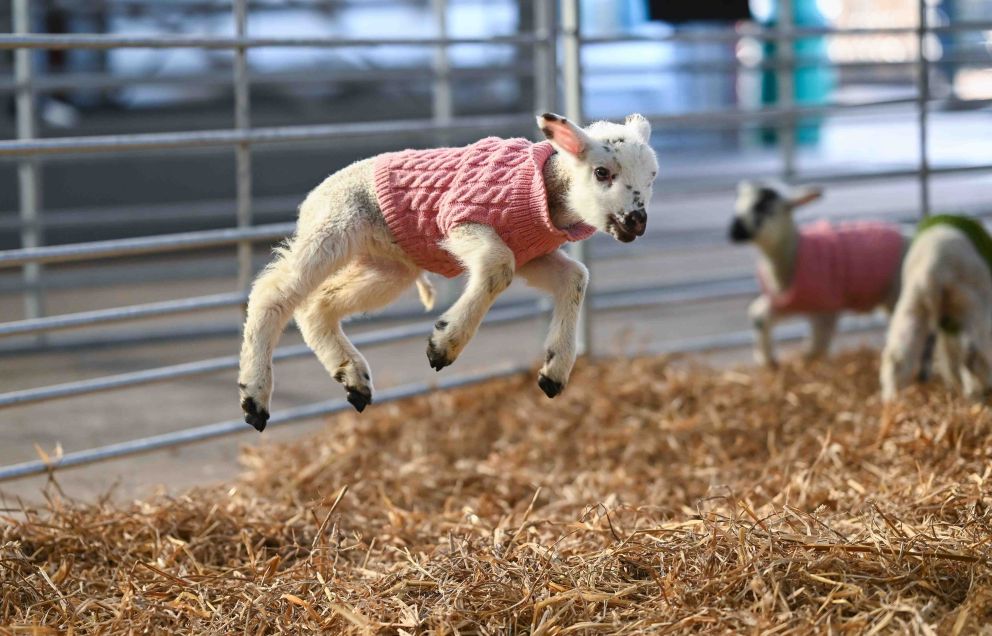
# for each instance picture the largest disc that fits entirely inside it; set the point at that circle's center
(656, 496)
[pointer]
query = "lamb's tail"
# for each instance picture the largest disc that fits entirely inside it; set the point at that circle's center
(426, 291)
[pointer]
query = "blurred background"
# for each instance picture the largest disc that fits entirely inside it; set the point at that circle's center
(157, 149)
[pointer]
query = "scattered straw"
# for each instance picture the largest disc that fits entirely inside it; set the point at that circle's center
(649, 498)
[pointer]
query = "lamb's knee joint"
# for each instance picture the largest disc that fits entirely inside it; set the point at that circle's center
(579, 285)
(500, 280)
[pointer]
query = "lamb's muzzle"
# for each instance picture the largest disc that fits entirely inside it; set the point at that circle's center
(738, 232)
(627, 227)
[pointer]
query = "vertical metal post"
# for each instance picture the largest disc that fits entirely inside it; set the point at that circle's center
(922, 103)
(28, 170)
(442, 107)
(572, 80)
(242, 121)
(785, 78)
(545, 57)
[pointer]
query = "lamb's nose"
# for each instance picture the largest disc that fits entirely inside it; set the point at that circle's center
(636, 222)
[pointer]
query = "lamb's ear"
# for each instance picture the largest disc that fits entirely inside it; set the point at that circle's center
(640, 126)
(564, 135)
(744, 186)
(804, 194)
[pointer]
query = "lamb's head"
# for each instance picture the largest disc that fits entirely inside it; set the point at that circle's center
(610, 169)
(763, 212)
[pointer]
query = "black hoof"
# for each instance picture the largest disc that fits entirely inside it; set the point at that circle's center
(437, 359)
(549, 386)
(255, 416)
(358, 399)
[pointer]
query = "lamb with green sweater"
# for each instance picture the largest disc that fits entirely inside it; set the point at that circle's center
(947, 291)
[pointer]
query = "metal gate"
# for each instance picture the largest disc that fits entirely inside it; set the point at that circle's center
(556, 44)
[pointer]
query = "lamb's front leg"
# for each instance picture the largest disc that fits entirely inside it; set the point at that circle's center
(565, 279)
(489, 264)
(822, 329)
(763, 317)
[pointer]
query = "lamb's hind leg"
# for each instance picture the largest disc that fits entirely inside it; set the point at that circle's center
(282, 285)
(364, 285)
(904, 342)
(822, 329)
(976, 348)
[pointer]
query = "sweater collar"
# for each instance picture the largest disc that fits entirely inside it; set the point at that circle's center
(575, 232)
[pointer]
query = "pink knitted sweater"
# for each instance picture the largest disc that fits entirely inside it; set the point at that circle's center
(848, 266)
(424, 194)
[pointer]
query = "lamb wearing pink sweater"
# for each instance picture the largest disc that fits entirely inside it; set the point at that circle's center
(493, 209)
(818, 271)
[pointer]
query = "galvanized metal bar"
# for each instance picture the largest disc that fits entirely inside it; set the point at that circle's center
(121, 314)
(773, 114)
(144, 245)
(572, 84)
(544, 87)
(85, 81)
(100, 42)
(923, 101)
(286, 416)
(686, 186)
(603, 300)
(211, 431)
(226, 363)
(287, 134)
(145, 7)
(785, 333)
(267, 206)
(136, 378)
(749, 31)
(216, 238)
(785, 80)
(242, 153)
(442, 101)
(545, 76)
(28, 170)
(202, 209)
(282, 134)
(96, 80)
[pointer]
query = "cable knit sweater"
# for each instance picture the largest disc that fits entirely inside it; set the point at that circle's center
(424, 194)
(848, 266)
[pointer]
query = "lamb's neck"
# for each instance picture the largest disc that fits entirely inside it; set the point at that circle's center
(780, 258)
(556, 183)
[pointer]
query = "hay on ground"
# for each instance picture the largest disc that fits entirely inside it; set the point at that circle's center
(649, 498)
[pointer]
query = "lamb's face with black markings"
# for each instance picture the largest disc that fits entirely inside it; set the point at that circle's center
(611, 169)
(759, 210)
(763, 211)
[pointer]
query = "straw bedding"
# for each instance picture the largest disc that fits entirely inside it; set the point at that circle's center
(651, 497)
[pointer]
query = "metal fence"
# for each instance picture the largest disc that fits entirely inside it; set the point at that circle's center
(556, 43)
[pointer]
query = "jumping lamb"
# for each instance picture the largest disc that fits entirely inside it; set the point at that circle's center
(947, 283)
(493, 209)
(818, 271)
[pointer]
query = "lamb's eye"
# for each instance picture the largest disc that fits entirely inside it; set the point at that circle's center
(602, 174)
